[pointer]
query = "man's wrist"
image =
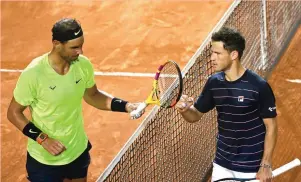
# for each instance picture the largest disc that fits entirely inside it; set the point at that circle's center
(41, 138)
(31, 131)
(118, 105)
(266, 166)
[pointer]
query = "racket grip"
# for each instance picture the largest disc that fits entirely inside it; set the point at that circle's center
(137, 113)
(284, 168)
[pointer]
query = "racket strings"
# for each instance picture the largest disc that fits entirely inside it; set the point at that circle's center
(168, 84)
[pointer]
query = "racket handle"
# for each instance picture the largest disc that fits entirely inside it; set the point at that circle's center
(284, 168)
(137, 113)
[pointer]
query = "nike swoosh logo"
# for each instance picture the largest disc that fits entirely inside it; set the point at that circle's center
(30, 131)
(118, 101)
(78, 81)
(76, 33)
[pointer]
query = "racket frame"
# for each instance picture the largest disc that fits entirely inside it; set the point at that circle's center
(153, 97)
(154, 93)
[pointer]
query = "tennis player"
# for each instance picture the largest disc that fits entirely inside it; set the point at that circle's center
(245, 103)
(53, 86)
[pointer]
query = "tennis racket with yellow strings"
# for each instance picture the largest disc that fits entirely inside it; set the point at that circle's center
(167, 88)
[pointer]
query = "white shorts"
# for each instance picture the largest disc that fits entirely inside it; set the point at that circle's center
(220, 172)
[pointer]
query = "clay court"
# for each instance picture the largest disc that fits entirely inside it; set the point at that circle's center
(129, 37)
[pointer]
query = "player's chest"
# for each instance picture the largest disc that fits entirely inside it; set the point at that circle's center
(238, 96)
(54, 89)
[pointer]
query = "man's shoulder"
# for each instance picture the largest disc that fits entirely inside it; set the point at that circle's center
(84, 61)
(219, 76)
(35, 65)
(255, 78)
(83, 58)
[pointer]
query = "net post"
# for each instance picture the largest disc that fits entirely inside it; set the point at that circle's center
(263, 37)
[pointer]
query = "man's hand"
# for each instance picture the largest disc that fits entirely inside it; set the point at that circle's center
(53, 146)
(129, 107)
(184, 103)
(264, 174)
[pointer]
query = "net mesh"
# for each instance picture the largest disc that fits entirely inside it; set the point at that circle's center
(281, 18)
(165, 147)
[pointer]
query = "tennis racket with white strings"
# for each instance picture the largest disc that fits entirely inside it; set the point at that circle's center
(276, 172)
(167, 88)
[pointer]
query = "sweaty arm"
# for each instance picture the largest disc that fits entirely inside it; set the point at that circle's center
(193, 112)
(265, 170)
(104, 101)
(15, 114)
(187, 110)
(270, 139)
(268, 113)
(16, 117)
(24, 95)
(98, 99)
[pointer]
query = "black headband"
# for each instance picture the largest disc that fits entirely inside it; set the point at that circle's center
(68, 35)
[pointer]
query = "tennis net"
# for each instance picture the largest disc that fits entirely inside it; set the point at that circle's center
(165, 147)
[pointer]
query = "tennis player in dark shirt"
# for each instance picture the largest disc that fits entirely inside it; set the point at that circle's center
(245, 103)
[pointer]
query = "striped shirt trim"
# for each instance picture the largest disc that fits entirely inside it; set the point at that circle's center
(240, 145)
(234, 89)
(238, 122)
(245, 165)
(218, 97)
(241, 130)
(238, 114)
(228, 105)
(242, 162)
(242, 137)
(218, 157)
(241, 153)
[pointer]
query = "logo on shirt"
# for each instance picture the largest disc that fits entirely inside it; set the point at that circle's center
(52, 88)
(272, 108)
(78, 81)
(241, 98)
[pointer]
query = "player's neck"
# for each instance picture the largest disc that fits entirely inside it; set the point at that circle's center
(58, 63)
(235, 71)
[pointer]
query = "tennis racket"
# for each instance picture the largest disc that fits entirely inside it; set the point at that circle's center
(167, 88)
(276, 172)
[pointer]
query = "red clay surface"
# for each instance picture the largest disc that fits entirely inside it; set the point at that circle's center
(120, 36)
(288, 102)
